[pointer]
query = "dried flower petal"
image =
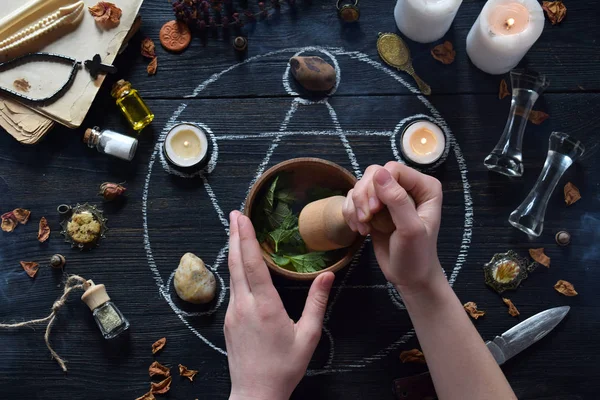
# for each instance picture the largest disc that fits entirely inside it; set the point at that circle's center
(21, 215)
(161, 387)
(110, 191)
(44, 230)
(157, 369)
(555, 10)
(572, 194)
(188, 373)
(539, 257)
(444, 53)
(147, 396)
(30, 267)
(512, 310)
(414, 355)
(9, 221)
(535, 117)
(471, 308)
(22, 85)
(506, 271)
(106, 14)
(148, 50)
(158, 345)
(151, 69)
(565, 288)
(503, 89)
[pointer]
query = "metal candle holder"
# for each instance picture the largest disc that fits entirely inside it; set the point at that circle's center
(507, 157)
(562, 152)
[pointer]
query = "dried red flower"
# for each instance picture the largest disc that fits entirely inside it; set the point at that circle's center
(158, 345)
(44, 230)
(512, 310)
(572, 194)
(30, 267)
(21, 215)
(540, 257)
(110, 191)
(414, 355)
(471, 309)
(444, 53)
(188, 373)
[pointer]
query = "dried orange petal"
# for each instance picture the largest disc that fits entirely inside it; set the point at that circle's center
(9, 221)
(147, 396)
(22, 85)
(157, 369)
(535, 117)
(151, 69)
(555, 10)
(503, 89)
(44, 230)
(158, 345)
(414, 355)
(565, 288)
(471, 308)
(188, 373)
(512, 310)
(148, 49)
(444, 53)
(539, 257)
(30, 267)
(106, 14)
(572, 194)
(161, 387)
(21, 215)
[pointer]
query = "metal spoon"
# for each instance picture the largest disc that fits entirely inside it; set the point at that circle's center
(394, 51)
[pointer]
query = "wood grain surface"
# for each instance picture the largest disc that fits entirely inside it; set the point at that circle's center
(250, 100)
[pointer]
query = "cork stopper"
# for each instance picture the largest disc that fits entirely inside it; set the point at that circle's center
(95, 295)
(87, 135)
(91, 136)
(120, 88)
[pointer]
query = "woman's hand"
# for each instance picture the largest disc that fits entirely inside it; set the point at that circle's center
(267, 352)
(407, 256)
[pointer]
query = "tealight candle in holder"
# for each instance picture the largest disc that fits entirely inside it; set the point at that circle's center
(422, 143)
(186, 146)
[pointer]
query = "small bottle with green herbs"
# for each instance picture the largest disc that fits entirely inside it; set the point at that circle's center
(108, 317)
(131, 105)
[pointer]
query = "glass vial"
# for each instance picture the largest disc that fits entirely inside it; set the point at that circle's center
(111, 143)
(108, 317)
(131, 105)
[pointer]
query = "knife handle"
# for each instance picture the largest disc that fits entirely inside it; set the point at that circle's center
(416, 387)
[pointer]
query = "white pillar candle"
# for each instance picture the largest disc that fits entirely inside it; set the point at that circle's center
(425, 21)
(186, 146)
(422, 142)
(504, 31)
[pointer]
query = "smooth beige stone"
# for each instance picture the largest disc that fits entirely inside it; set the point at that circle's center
(194, 282)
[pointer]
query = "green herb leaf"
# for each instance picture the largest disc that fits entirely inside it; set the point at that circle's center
(280, 235)
(289, 222)
(286, 196)
(281, 261)
(277, 216)
(310, 262)
(270, 197)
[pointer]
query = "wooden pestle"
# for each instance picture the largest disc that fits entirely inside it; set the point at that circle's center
(323, 227)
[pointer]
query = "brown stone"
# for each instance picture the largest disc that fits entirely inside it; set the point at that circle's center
(313, 73)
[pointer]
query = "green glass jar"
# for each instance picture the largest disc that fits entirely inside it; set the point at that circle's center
(131, 105)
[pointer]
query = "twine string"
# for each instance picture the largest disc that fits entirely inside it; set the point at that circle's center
(73, 282)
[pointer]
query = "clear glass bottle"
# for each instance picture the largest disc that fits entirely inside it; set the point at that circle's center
(111, 143)
(563, 150)
(108, 317)
(131, 105)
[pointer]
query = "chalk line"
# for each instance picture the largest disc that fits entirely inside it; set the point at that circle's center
(344, 139)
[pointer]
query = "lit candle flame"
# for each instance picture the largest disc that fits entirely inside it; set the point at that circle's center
(509, 23)
(423, 141)
(186, 144)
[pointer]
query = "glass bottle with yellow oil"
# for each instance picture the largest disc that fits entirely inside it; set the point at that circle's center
(131, 105)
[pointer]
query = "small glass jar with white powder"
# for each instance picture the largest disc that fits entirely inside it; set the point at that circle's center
(111, 143)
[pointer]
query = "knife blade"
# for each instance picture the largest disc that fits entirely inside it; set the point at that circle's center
(502, 347)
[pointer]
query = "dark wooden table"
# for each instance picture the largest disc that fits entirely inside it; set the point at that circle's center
(245, 107)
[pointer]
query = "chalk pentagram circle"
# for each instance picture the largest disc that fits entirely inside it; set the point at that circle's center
(332, 53)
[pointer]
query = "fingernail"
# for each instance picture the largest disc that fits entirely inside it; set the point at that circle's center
(382, 177)
(361, 214)
(363, 229)
(327, 280)
(373, 203)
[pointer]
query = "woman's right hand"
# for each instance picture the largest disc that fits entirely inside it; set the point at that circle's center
(408, 255)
